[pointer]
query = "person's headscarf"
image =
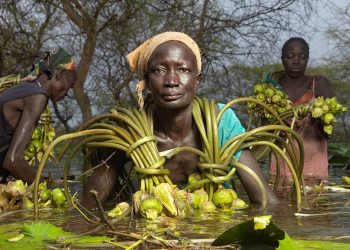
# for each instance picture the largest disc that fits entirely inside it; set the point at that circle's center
(138, 59)
(57, 58)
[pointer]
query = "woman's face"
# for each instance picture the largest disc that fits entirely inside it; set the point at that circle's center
(63, 80)
(295, 59)
(172, 75)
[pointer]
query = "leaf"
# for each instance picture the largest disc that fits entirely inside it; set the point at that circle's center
(245, 234)
(36, 235)
(287, 243)
(12, 231)
(269, 237)
(320, 245)
(48, 232)
(42, 231)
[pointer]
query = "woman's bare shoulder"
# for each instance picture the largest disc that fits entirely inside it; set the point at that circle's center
(323, 86)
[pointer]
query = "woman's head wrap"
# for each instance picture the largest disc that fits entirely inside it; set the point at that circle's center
(138, 59)
(57, 58)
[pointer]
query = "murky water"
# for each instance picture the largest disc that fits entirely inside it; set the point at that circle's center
(324, 216)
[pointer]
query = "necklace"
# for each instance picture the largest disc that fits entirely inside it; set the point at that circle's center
(38, 82)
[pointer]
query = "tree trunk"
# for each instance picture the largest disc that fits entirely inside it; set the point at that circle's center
(83, 70)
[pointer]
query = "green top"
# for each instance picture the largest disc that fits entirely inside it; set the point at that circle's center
(229, 127)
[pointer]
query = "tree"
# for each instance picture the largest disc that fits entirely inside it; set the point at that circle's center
(21, 41)
(230, 33)
(92, 18)
(340, 61)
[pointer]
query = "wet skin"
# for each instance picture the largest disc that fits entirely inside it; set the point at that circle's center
(295, 59)
(295, 82)
(22, 114)
(172, 79)
(63, 81)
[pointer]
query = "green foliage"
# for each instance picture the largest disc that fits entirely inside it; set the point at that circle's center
(339, 154)
(38, 234)
(245, 235)
(320, 245)
(270, 238)
(339, 78)
(42, 231)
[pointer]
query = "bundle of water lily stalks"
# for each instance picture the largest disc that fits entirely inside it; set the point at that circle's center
(220, 163)
(131, 131)
(42, 136)
(322, 110)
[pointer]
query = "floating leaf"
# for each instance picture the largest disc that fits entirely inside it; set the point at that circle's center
(287, 243)
(42, 231)
(271, 237)
(321, 245)
(36, 235)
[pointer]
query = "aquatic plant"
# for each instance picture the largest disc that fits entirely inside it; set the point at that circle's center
(42, 136)
(131, 130)
(151, 208)
(324, 110)
(258, 232)
(17, 195)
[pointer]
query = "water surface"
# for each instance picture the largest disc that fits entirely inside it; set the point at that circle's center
(322, 216)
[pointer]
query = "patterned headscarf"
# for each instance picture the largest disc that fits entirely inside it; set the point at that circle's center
(57, 58)
(138, 59)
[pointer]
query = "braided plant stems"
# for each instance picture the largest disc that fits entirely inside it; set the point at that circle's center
(213, 172)
(219, 165)
(51, 146)
(215, 169)
(123, 129)
(291, 146)
(268, 137)
(130, 130)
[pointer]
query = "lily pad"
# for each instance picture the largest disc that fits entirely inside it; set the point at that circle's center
(244, 234)
(270, 237)
(321, 245)
(35, 235)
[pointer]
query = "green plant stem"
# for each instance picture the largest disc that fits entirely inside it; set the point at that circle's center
(48, 150)
(255, 177)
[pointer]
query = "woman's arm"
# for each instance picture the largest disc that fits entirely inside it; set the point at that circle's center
(323, 87)
(14, 161)
(250, 186)
(104, 178)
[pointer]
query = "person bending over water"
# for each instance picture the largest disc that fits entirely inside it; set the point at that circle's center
(169, 65)
(302, 89)
(21, 106)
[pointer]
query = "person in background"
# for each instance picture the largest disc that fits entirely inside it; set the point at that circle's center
(21, 105)
(169, 66)
(302, 89)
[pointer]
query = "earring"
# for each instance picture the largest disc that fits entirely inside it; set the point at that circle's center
(140, 86)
